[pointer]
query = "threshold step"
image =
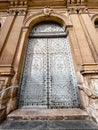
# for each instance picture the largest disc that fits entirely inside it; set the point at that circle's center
(48, 114)
(49, 125)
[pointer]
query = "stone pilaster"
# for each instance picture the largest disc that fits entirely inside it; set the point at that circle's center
(92, 33)
(19, 58)
(8, 53)
(8, 90)
(75, 47)
(81, 39)
(5, 31)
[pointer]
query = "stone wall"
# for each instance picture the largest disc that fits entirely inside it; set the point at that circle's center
(77, 17)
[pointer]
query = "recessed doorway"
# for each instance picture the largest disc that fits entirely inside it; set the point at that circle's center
(48, 79)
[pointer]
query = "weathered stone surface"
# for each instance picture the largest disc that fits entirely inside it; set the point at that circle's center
(76, 18)
(49, 125)
(6, 94)
(2, 113)
(14, 91)
(48, 114)
(11, 105)
(4, 97)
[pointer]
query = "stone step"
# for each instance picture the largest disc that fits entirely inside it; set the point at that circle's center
(48, 125)
(48, 114)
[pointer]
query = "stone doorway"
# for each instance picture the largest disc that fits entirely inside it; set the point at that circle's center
(48, 78)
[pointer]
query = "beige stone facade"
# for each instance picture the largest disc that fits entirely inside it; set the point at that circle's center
(80, 20)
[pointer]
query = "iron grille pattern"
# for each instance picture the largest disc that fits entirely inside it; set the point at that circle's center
(48, 79)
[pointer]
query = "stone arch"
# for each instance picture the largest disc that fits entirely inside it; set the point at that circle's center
(0, 25)
(39, 17)
(34, 19)
(95, 21)
(1, 22)
(94, 18)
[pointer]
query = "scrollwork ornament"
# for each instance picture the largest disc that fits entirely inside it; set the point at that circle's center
(47, 11)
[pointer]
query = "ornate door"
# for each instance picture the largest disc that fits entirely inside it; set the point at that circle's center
(48, 79)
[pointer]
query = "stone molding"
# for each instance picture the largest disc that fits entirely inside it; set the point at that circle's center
(6, 70)
(6, 74)
(75, 1)
(8, 92)
(51, 15)
(17, 7)
(18, 3)
(89, 68)
(33, 3)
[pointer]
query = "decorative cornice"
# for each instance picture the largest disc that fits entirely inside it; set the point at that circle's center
(6, 4)
(17, 7)
(71, 2)
(18, 3)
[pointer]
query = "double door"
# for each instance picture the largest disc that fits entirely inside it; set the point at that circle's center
(48, 79)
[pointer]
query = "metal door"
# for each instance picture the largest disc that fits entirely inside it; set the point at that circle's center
(62, 87)
(48, 79)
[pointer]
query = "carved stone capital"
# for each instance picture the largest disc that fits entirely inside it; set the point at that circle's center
(77, 10)
(11, 12)
(17, 7)
(47, 11)
(22, 12)
(17, 11)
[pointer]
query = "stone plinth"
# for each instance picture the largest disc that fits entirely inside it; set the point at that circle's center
(48, 114)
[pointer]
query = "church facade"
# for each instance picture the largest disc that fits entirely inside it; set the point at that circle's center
(49, 55)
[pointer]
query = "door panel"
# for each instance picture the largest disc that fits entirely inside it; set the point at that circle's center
(34, 85)
(63, 87)
(48, 78)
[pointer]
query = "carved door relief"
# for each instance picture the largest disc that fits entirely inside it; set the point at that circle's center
(48, 79)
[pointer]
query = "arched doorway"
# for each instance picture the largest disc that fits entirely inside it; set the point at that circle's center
(48, 78)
